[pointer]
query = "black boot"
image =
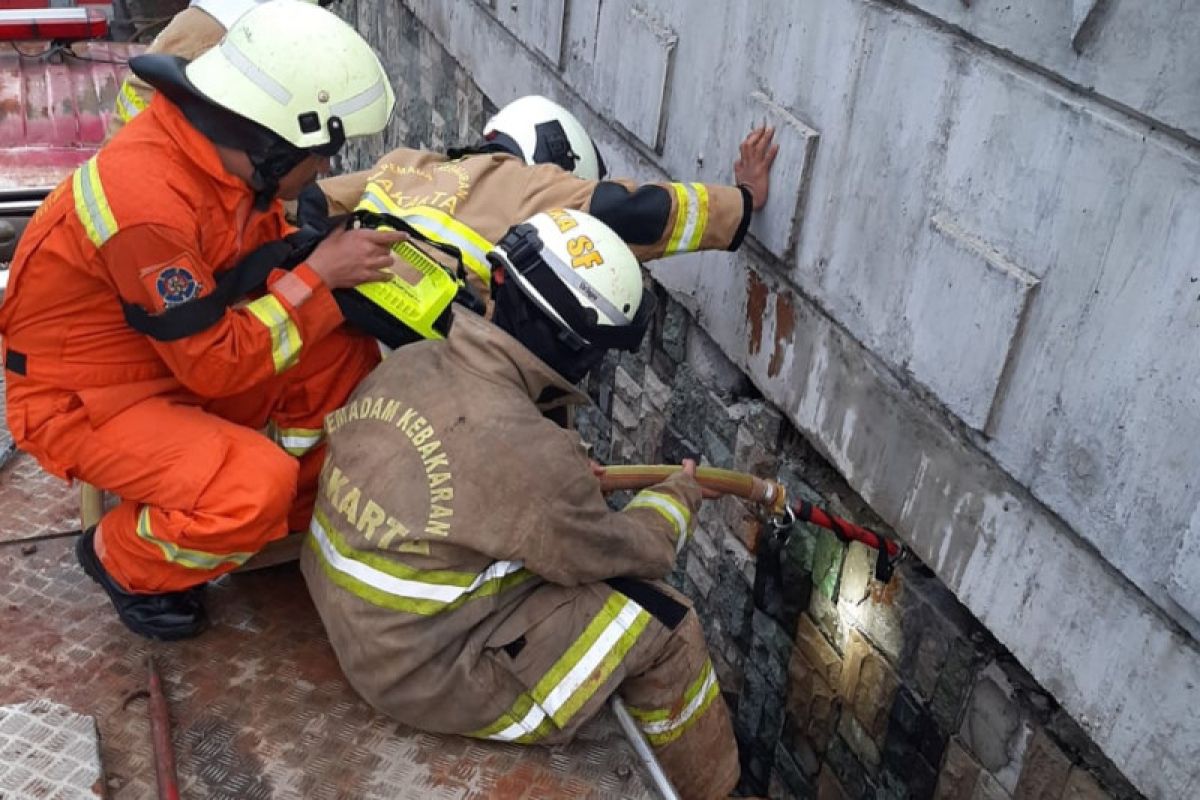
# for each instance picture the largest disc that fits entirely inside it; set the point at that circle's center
(166, 616)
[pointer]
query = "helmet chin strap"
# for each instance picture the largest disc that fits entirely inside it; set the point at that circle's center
(551, 146)
(494, 142)
(519, 317)
(278, 158)
(269, 169)
(271, 155)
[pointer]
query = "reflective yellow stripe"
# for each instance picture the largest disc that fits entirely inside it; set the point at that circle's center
(442, 227)
(524, 723)
(91, 205)
(376, 199)
(671, 509)
(378, 580)
(285, 336)
(681, 205)
(129, 102)
(691, 218)
(665, 725)
(437, 225)
(693, 244)
(575, 677)
(297, 441)
(192, 559)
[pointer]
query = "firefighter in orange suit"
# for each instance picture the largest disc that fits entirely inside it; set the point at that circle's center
(152, 328)
(464, 562)
(535, 155)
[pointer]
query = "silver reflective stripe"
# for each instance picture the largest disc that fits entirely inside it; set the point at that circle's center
(574, 278)
(673, 723)
(590, 660)
(129, 103)
(575, 678)
(693, 216)
(668, 508)
(298, 442)
(262, 80)
(93, 203)
(375, 203)
(401, 587)
(523, 727)
(359, 101)
(434, 229)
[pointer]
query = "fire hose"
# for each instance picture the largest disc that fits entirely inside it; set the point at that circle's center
(166, 778)
(772, 495)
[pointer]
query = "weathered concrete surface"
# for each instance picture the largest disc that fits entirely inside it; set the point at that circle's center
(981, 297)
(1140, 55)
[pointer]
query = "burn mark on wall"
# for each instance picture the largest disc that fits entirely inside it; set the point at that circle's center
(756, 309)
(785, 324)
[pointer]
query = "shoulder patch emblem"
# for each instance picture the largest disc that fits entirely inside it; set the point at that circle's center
(176, 285)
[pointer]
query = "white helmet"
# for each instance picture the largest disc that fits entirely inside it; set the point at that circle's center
(300, 72)
(579, 273)
(227, 12)
(543, 132)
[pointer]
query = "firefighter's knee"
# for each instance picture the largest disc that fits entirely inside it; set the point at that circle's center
(275, 488)
(256, 487)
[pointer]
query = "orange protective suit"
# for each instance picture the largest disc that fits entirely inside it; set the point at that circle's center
(172, 427)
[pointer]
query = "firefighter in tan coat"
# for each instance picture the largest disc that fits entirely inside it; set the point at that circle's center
(195, 30)
(469, 572)
(535, 155)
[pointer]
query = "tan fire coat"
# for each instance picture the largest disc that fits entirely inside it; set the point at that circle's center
(188, 34)
(461, 556)
(472, 201)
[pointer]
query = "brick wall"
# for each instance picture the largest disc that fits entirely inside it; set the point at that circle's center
(841, 687)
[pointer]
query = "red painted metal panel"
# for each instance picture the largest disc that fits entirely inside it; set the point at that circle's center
(56, 24)
(55, 107)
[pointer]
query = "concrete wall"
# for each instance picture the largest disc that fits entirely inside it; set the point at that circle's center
(974, 289)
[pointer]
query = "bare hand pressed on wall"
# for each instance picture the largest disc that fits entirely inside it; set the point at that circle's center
(752, 169)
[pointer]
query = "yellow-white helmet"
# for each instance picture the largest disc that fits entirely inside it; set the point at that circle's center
(580, 274)
(288, 80)
(543, 132)
(300, 72)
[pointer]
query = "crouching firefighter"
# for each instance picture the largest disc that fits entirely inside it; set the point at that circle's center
(468, 571)
(534, 156)
(161, 313)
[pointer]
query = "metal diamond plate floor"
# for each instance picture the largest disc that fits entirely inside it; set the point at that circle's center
(49, 752)
(259, 707)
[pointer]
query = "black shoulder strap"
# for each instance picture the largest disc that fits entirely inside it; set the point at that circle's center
(249, 274)
(498, 143)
